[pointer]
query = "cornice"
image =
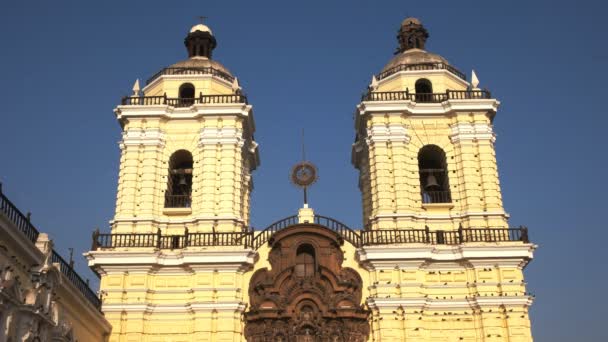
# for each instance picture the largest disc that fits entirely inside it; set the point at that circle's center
(233, 307)
(449, 304)
(415, 256)
(174, 262)
(429, 109)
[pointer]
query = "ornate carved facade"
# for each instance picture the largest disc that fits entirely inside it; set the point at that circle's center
(307, 295)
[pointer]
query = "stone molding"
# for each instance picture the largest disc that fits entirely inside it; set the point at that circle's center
(467, 131)
(388, 133)
(454, 304)
(170, 262)
(415, 256)
(145, 137)
(231, 307)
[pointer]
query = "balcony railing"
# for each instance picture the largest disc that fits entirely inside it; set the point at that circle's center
(76, 280)
(192, 71)
(443, 237)
(177, 201)
(182, 102)
(436, 197)
(421, 66)
(174, 241)
(358, 238)
(23, 224)
(426, 97)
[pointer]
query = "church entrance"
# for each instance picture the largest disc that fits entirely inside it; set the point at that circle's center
(307, 296)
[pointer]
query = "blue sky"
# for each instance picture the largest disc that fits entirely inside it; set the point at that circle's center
(304, 64)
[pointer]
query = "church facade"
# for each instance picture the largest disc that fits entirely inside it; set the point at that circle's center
(434, 261)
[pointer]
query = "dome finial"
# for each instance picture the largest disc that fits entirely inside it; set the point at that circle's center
(412, 35)
(200, 41)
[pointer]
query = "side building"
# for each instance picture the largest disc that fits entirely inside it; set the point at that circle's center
(42, 298)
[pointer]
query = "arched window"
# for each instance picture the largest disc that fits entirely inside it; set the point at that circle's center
(179, 183)
(305, 261)
(434, 183)
(186, 95)
(424, 90)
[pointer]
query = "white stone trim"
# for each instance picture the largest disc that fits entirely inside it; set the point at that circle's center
(224, 135)
(146, 137)
(448, 304)
(167, 308)
(160, 220)
(416, 256)
(463, 131)
(430, 109)
(388, 133)
(170, 262)
(445, 216)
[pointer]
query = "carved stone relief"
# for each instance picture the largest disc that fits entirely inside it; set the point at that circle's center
(307, 295)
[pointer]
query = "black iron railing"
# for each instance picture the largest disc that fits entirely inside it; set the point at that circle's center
(426, 97)
(421, 66)
(343, 230)
(436, 197)
(177, 201)
(192, 71)
(182, 102)
(173, 241)
(261, 238)
(358, 238)
(76, 280)
(23, 224)
(443, 237)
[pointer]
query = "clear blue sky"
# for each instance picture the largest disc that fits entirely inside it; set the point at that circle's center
(304, 64)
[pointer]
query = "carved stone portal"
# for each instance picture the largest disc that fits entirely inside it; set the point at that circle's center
(308, 295)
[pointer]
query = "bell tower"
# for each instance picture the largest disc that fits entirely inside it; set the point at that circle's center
(425, 145)
(187, 148)
(173, 266)
(443, 264)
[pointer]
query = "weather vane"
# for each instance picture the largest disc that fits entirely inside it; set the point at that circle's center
(304, 173)
(202, 18)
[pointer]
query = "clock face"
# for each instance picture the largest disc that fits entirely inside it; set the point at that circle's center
(304, 174)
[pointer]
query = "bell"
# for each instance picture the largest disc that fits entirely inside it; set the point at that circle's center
(431, 183)
(182, 181)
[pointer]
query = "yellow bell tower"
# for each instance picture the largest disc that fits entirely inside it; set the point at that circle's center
(442, 263)
(173, 267)
(187, 148)
(425, 144)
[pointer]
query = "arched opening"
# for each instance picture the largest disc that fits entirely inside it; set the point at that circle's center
(186, 95)
(434, 183)
(179, 183)
(305, 261)
(424, 90)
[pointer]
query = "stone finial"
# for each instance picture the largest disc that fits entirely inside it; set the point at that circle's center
(474, 80)
(136, 88)
(306, 215)
(235, 85)
(374, 84)
(45, 245)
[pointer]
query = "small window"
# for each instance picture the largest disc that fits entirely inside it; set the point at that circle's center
(305, 261)
(186, 95)
(179, 184)
(424, 90)
(434, 183)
